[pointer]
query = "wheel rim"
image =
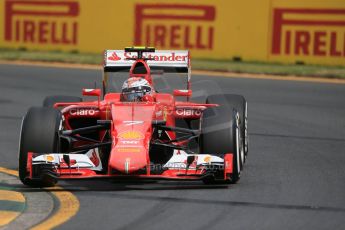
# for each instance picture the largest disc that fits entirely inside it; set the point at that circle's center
(20, 137)
(242, 155)
(238, 152)
(246, 129)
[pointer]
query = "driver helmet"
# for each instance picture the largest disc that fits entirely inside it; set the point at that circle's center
(134, 89)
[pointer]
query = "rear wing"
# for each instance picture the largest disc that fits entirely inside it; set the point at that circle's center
(167, 60)
(171, 61)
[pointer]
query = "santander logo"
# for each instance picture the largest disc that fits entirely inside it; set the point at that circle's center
(167, 57)
(114, 57)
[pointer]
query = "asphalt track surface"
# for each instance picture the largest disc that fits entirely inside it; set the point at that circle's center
(294, 177)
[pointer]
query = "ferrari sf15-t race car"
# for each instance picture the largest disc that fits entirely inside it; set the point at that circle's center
(134, 133)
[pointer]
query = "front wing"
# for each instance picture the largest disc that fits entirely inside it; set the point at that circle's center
(181, 166)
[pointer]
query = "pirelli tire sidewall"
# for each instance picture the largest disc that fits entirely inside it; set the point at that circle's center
(49, 101)
(39, 134)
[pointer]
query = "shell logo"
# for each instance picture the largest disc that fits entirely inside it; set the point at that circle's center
(49, 158)
(207, 159)
(131, 135)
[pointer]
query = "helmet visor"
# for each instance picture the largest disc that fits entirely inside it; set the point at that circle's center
(135, 93)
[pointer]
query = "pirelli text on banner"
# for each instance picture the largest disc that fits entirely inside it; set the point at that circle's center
(176, 26)
(41, 22)
(318, 32)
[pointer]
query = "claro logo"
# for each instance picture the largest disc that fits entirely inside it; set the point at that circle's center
(41, 22)
(175, 26)
(83, 112)
(188, 112)
(308, 32)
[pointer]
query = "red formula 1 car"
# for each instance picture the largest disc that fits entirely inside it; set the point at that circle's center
(134, 133)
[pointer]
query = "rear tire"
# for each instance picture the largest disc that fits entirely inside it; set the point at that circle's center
(39, 134)
(220, 134)
(51, 100)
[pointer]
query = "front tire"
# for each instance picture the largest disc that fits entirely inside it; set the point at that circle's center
(39, 134)
(240, 104)
(220, 134)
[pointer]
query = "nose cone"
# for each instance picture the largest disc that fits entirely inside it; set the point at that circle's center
(128, 160)
(133, 128)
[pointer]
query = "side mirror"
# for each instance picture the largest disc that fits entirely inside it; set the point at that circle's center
(92, 92)
(182, 92)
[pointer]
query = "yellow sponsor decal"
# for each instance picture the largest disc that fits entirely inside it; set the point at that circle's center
(165, 113)
(128, 150)
(49, 158)
(131, 135)
(207, 159)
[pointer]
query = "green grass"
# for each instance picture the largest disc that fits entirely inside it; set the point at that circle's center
(51, 56)
(197, 64)
(271, 68)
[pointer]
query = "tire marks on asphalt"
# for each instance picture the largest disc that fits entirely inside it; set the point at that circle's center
(236, 203)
